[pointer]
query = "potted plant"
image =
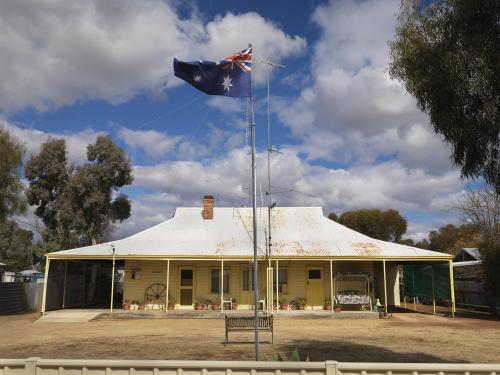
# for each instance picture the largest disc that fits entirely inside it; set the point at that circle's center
(198, 304)
(215, 306)
(301, 302)
(134, 305)
(338, 308)
(328, 304)
(171, 303)
(126, 305)
(284, 304)
(142, 306)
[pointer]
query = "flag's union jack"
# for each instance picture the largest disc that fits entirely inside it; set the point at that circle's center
(242, 58)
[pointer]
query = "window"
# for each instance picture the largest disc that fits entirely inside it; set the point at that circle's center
(247, 279)
(283, 280)
(314, 274)
(186, 277)
(215, 281)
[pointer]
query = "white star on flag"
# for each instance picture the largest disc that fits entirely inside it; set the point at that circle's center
(197, 78)
(227, 83)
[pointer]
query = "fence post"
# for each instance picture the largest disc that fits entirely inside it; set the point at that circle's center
(30, 365)
(331, 367)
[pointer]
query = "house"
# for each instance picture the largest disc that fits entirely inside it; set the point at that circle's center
(467, 266)
(207, 254)
(467, 254)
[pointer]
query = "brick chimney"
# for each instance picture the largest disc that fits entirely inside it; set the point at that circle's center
(208, 207)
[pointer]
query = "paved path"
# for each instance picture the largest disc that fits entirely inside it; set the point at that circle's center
(69, 316)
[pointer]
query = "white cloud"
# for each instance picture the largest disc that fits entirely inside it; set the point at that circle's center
(154, 143)
(352, 112)
(32, 139)
(57, 53)
(234, 31)
(296, 182)
(385, 185)
(159, 145)
(147, 210)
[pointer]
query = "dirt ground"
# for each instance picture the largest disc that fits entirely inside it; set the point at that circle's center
(404, 338)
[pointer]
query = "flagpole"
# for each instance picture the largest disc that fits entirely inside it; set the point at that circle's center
(254, 210)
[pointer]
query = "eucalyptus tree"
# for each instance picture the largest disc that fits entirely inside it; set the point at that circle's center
(79, 204)
(446, 56)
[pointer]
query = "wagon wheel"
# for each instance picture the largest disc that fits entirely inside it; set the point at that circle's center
(155, 295)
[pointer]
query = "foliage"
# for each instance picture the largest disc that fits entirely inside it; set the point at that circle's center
(11, 156)
(79, 204)
(333, 216)
(482, 208)
(48, 174)
(293, 357)
(386, 225)
(451, 239)
(15, 246)
(423, 244)
(446, 55)
(88, 197)
(490, 253)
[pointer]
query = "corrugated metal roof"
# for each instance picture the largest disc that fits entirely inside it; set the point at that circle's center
(296, 232)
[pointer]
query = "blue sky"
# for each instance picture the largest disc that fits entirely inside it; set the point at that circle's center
(350, 136)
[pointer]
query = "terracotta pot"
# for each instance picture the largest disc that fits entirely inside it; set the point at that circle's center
(171, 307)
(327, 307)
(200, 307)
(142, 307)
(302, 307)
(338, 309)
(215, 306)
(126, 306)
(284, 306)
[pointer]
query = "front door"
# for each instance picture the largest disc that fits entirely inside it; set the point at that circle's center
(315, 287)
(247, 286)
(186, 287)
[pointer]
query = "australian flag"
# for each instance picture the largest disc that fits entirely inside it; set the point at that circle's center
(229, 77)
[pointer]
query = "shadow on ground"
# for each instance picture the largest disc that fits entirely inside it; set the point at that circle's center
(342, 351)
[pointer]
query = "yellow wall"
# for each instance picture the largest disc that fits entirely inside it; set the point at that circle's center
(156, 272)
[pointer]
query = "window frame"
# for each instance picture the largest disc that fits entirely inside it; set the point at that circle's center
(215, 288)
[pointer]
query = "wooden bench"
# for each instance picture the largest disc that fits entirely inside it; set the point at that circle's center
(247, 323)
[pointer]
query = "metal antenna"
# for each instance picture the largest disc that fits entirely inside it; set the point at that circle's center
(254, 211)
(270, 65)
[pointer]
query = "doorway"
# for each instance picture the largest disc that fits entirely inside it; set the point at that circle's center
(315, 286)
(186, 284)
(247, 286)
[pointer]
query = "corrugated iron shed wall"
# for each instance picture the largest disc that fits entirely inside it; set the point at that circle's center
(12, 298)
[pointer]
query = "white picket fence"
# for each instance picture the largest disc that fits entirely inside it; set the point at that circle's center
(37, 366)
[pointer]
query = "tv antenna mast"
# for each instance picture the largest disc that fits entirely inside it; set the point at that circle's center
(270, 205)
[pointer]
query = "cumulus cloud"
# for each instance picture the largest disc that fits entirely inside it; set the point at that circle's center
(152, 142)
(352, 112)
(56, 53)
(296, 182)
(160, 145)
(32, 139)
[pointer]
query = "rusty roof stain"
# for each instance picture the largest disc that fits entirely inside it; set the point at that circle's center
(296, 232)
